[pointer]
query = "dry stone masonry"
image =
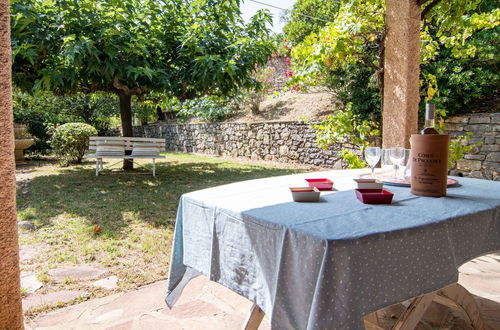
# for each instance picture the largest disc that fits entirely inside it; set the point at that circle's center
(295, 142)
(483, 161)
(287, 142)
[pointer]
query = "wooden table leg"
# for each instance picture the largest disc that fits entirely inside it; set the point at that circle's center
(454, 295)
(457, 296)
(410, 318)
(254, 318)
(371, 322)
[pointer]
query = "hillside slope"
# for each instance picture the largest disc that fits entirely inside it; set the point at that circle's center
(289, 107)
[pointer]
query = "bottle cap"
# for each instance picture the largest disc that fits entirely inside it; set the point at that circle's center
(429, 111)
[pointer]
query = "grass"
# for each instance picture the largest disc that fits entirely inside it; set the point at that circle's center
(123, 222)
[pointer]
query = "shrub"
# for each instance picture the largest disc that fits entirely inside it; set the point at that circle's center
(71, 140)
(44, 110)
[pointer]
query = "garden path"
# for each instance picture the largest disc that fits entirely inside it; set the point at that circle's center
(207, 305)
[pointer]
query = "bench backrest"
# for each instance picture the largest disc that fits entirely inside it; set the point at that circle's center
(128, 141)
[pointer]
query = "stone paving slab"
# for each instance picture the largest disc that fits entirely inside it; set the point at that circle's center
(80, 272)
(30, 282)
(206, 305)
(27, 252)
(51, 298)
(109, 283)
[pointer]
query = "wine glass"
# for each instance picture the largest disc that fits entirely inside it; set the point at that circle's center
(397, 156)
(387, 165)
(407, 164)
(372, 156)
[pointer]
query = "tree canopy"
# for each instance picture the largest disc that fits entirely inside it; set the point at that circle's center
(348, 54)
(133, 47)
(308, 16)
(184, 48)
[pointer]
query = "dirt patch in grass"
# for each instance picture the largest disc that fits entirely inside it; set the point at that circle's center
(122, 222)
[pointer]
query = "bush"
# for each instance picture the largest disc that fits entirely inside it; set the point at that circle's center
(70, 141)
(44, 110)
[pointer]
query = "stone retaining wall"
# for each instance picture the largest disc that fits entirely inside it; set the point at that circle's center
(483, 161)
(289, 142)
(294, 142)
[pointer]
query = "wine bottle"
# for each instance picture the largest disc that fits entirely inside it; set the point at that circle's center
(429, 120)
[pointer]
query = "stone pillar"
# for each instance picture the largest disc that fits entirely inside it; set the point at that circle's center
(401, 72)
(11, 316)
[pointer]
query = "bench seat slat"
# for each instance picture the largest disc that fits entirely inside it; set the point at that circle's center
(128, 142)
(114, 147)
(122, 157)
(126, 138)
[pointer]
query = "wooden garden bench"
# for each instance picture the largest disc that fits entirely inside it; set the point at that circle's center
(115, 148)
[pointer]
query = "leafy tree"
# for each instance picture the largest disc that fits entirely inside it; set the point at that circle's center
(308, 16)
(350, 51)
(346, 53)
(133, 47)
(460, 54)
(44, 110)
(94, 109)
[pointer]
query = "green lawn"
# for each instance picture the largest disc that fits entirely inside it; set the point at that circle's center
(121, 221)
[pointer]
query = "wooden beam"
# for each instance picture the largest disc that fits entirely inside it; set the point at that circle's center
(401, 73)
(371, 322)
(413, 314)
(254, 318)
(457, 296)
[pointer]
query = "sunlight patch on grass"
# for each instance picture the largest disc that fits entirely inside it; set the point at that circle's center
(123, 222)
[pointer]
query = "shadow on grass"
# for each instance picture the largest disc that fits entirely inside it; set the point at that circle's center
(113, 201)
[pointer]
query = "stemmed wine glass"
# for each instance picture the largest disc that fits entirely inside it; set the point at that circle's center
(372, 156)
(397, 156)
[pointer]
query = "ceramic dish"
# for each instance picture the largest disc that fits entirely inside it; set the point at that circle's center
(374, 196)
(369, 184)
(321, 184)
(305, 194)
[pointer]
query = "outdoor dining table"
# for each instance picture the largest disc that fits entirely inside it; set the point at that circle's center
(325, 265)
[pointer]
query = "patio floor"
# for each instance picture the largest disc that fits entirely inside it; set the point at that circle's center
(207, 305)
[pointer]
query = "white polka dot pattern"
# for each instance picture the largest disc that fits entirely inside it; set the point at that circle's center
(325, 265)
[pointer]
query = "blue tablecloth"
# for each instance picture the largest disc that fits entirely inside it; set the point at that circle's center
(325, 265)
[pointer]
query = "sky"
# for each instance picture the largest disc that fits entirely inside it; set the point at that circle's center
(249, 8)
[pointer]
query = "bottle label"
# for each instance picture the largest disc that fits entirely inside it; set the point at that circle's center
(429, 165)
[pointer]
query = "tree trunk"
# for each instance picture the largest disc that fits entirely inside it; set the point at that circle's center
(126, 118)
(11, 315)
(159, 112)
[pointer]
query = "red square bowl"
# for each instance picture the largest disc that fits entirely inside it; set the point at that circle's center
(321, 184)
(374, 196)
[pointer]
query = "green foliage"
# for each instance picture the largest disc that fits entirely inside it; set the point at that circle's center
(352, 159)
(459, 146)
(459, 49)
(344, 127)
(95, 109)
(208, 108)
(36, 113)
(357, 85)
(298, 26)
(43, 110)
(185, 48)
(145, 111)
(462, 82)
(70, 141)
(219, 52)
(345, 56)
